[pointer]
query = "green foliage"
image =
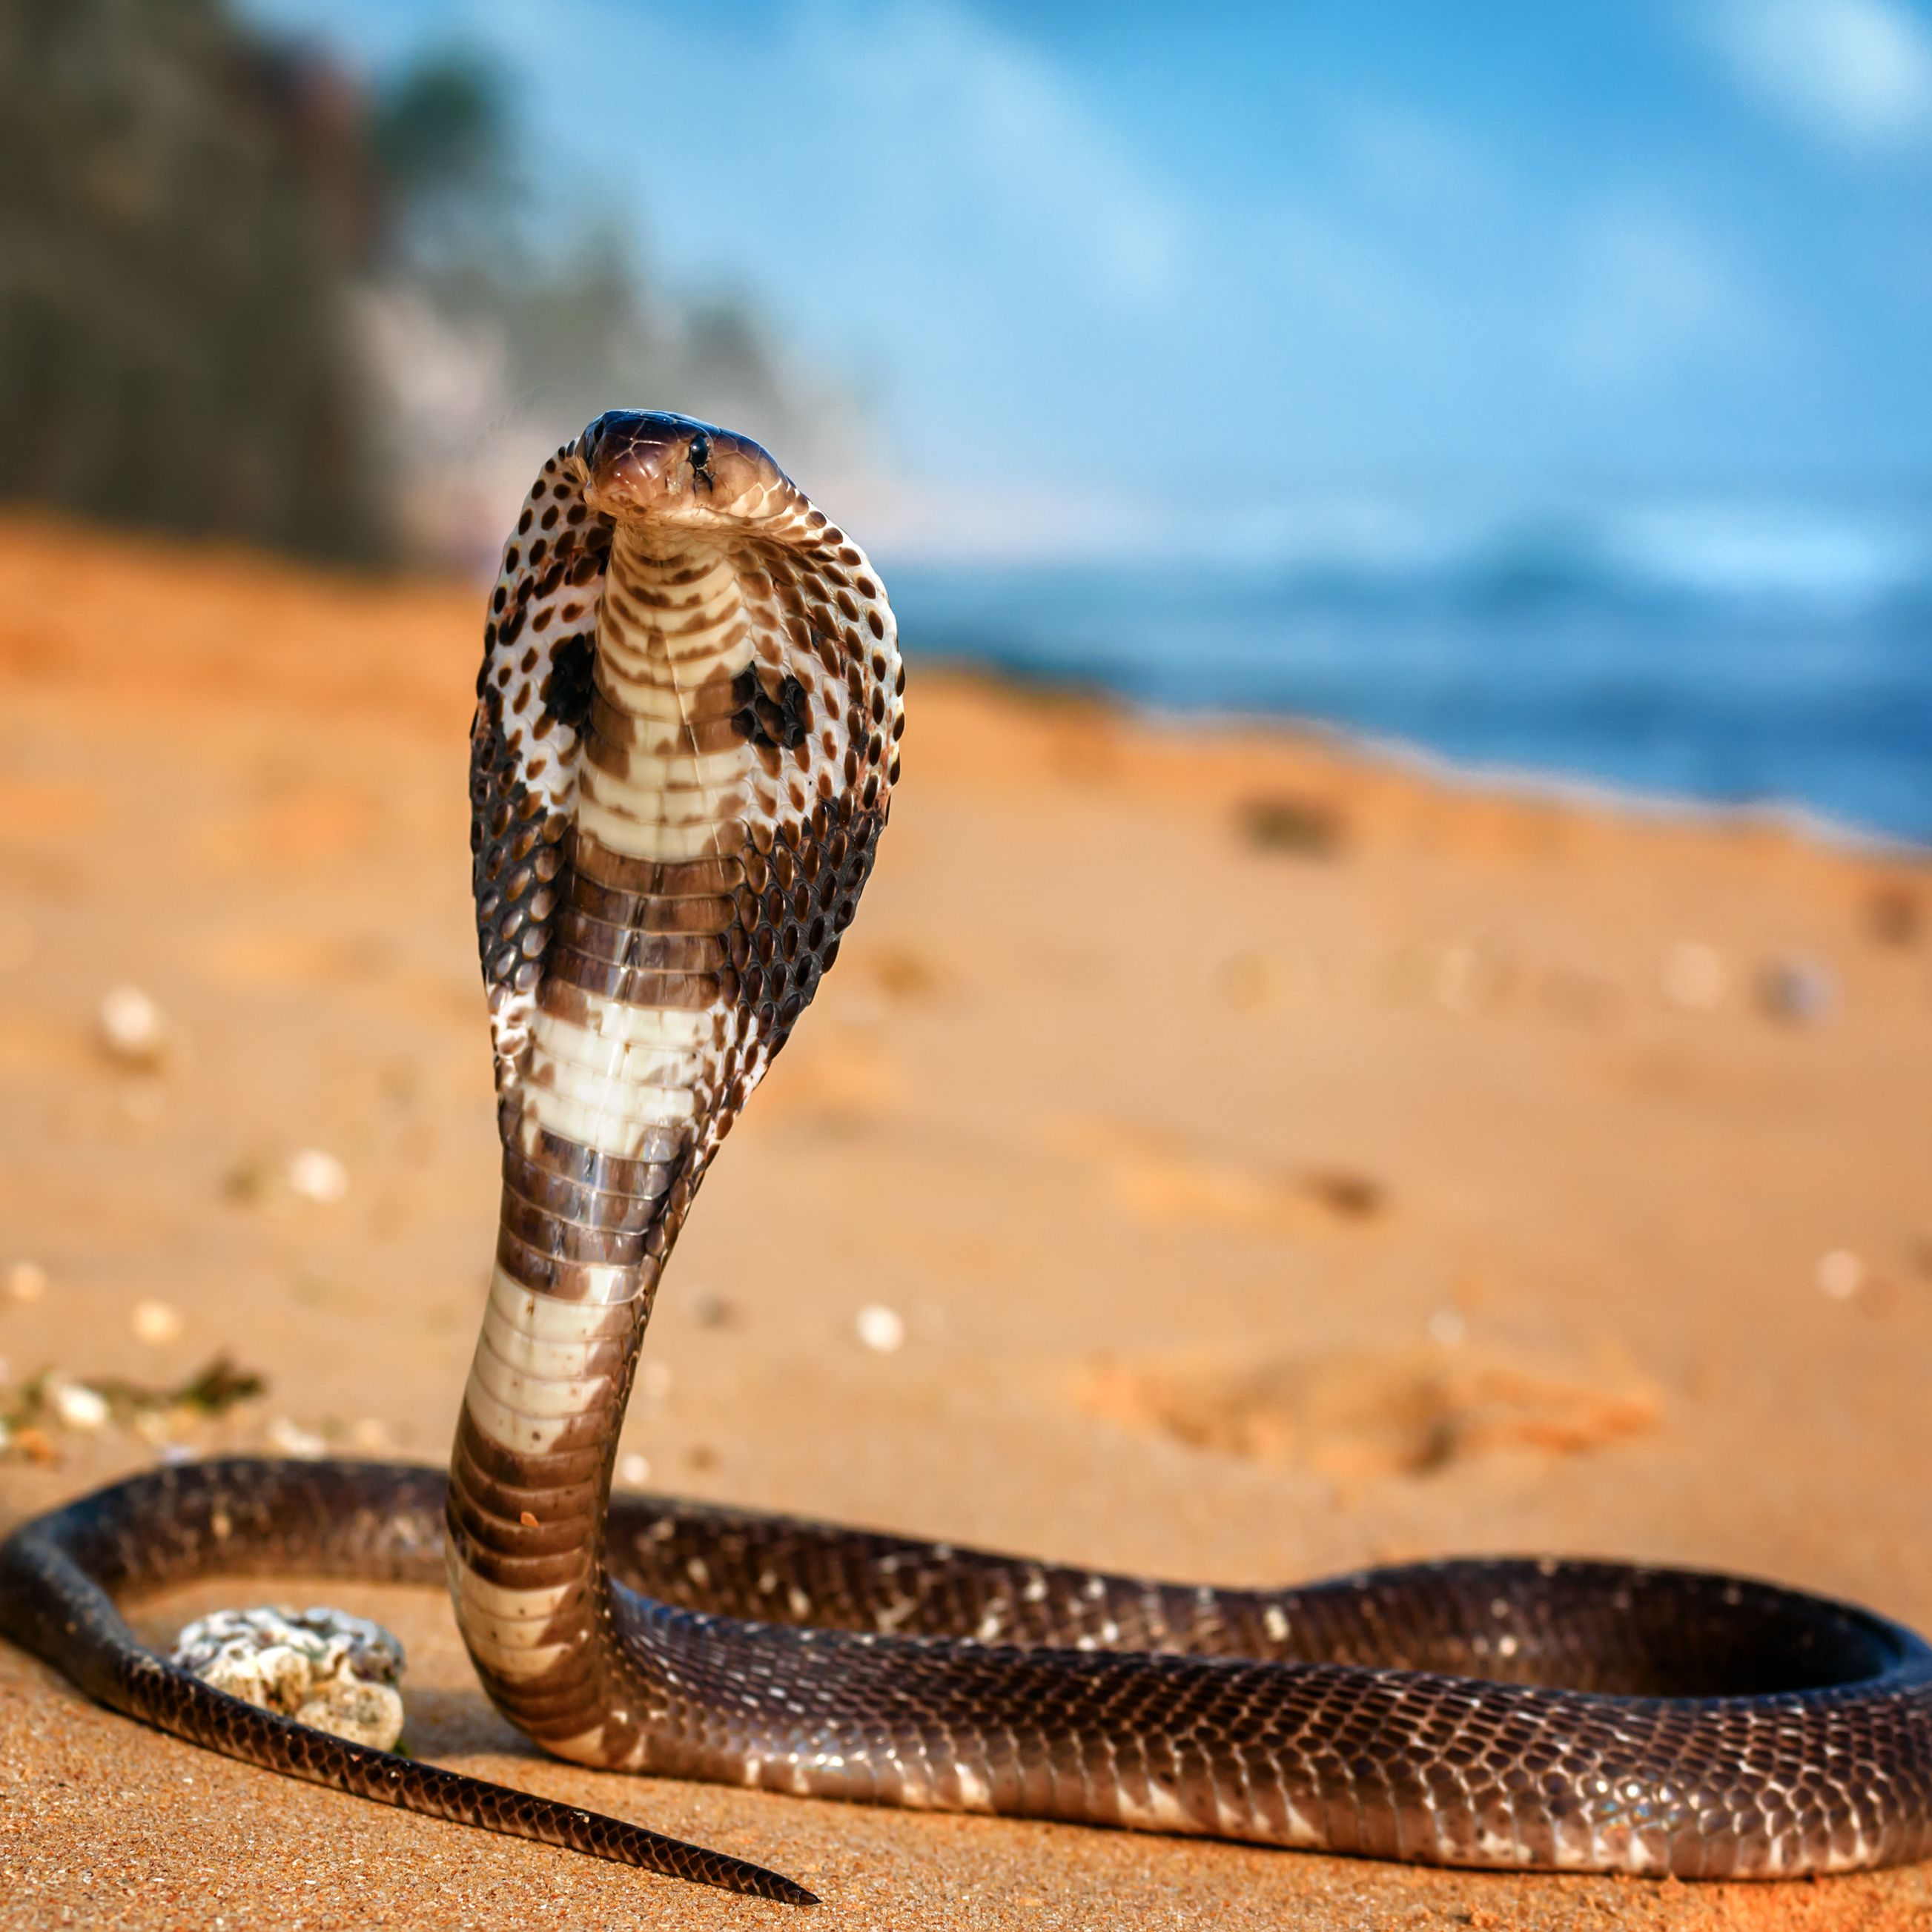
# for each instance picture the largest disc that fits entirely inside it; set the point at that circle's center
(441, 129)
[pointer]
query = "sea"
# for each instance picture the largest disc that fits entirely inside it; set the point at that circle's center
(1764, 658)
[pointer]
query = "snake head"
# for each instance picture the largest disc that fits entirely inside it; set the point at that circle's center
(643, 467)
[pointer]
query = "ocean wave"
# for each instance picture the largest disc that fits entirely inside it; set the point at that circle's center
(1733, 655)
(1778, 555)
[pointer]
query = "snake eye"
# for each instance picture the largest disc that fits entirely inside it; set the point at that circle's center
(700, 450)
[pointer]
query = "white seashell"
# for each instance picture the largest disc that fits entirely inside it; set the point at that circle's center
(323, 1667)
(131, 1026)
(317, 1176)
(881, 1329)
(155, 1323)
(80, 1407)
(292, 1439)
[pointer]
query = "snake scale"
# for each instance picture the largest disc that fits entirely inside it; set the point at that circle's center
(686, 736)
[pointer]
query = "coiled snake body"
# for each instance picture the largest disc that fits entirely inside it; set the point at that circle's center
(685, 739)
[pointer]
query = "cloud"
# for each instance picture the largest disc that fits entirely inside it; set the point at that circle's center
(1406, 159)
(1653, 294)
(995, 130)
(891, 128)
(1853, 74)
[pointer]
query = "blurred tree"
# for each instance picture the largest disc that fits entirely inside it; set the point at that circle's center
(178, 208)
(439, 145)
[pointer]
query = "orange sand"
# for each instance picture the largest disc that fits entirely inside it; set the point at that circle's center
(1252, 1213)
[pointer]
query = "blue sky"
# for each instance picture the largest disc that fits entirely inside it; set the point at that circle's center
(1618, 246)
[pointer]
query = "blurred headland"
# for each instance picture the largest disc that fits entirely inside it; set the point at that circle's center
(245, 293)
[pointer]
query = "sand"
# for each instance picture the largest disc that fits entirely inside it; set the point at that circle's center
(1280, 1160)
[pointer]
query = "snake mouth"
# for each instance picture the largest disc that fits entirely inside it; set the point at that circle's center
(646, 466)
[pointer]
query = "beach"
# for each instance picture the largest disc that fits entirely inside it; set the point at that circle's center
(1275, 1160)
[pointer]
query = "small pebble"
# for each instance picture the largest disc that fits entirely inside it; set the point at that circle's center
(248, 1183)
(131, 1027)
(1840, 1274)
(26, 1281)
(1894, 915)
(714, 1311)
(80, 1407)
(1447, 1329)
(1305, 826)
(317, 1176)
(155, 1323)
(904, 973)
(292, 1439)
(370, 1435)
(881, 1329)
(1351, 1196)
(1693, 976)
(1800, 992)
(634, 1470)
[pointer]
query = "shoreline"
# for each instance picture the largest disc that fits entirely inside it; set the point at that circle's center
(1529, 784)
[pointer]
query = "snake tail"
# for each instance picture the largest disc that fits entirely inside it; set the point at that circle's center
(61, 1576)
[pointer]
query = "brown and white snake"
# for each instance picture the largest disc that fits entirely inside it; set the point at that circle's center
(685, 740)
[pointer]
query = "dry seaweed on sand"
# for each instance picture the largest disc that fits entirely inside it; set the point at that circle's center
(47, 1401)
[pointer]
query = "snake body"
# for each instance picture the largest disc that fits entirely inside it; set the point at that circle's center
(686, 736)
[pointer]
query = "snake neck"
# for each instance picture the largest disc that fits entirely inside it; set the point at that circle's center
(666, 853)
(642, 1049)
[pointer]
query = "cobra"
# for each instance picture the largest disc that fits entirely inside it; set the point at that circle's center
(685, 742)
